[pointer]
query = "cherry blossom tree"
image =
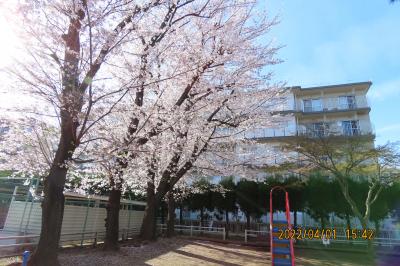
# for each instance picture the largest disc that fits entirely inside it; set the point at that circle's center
(72, 51)
(220, 86)
(198, 79)
(142, 94)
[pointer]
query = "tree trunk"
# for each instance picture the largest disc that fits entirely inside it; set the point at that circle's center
(348, 221)
(112, 220)
(162, 203)
(295, 219)
(148, 229)
(226, 224)
(377, 228)
(322, 223)
(53, 202)
(247, 221)
(370, 247)
(201, 217)
(52, 216)
(180, 214)
(171, 215)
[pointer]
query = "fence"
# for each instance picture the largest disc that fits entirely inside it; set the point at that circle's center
(195, 230)
(5, 200)
(72, 239)
(386, 238)
(84, 221)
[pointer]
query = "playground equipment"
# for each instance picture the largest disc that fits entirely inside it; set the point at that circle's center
(282, 252)
(25, 258)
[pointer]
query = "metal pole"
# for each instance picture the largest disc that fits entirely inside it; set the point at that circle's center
(12, 200)
(30, 208)
(26, 202)
(129, 215)
(223, 233)
(96, 217)
(84, 225)
(95, 239)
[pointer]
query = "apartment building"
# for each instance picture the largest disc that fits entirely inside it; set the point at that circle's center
(340, 109)
(335, 109)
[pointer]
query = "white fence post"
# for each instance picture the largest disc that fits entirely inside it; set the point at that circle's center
(245, 235)
(191, 230)
(223, 233)
(130, 207)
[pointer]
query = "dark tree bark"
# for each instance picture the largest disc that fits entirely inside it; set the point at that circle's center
(180, 214)
(247, 221)
(148, 229)
(202, 217)
(295, 219)
(53, 203)
(348, 221)
(377, 228)
(171, 215)
(52, 216)
(162, 212)
(323, 225)
(226, 224)
(112, 220)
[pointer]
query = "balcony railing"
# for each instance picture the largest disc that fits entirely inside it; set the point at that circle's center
(304, 131)
(334, 104)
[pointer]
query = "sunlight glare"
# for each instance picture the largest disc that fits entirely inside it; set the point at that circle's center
(8, 41)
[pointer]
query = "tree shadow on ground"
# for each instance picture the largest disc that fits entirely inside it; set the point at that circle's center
(188, 252)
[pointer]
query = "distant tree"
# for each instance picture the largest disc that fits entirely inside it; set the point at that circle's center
(320, 199)
(341, 208)
(201, 198)
(248, 199)
(385, 205)
(263, 198)
(226, 200)
(344, 157)
(278, 200)
(296, 189)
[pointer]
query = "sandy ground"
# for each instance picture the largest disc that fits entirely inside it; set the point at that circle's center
(177, 252)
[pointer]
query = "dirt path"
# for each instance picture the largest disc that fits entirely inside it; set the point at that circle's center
(184, 252)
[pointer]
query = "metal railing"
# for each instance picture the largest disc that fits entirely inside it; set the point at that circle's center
(386, 238)
(255, 234)
(327, 104)
(193, 229)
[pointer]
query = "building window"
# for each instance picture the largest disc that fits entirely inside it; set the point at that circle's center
(319, 129)
(347, 102)
(312, 105)
(351, 128)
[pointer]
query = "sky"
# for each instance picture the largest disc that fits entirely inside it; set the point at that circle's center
(325, 42)
(342, 41)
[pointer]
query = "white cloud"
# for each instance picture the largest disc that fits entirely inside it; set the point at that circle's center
(385, 90)
(393, 127)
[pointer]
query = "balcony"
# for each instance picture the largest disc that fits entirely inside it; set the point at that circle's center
(261, 133)
(338, 128)
(313, 130)
(333, 104)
